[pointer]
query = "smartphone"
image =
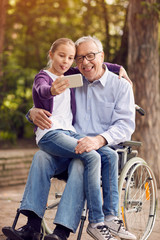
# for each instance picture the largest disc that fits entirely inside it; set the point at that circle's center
(75, 80)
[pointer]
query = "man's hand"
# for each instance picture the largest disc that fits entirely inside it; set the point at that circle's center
(59, 86)
(87, 144)
(123, 73)
(40, 118)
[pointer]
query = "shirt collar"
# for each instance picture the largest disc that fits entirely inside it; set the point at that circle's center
(103, 79)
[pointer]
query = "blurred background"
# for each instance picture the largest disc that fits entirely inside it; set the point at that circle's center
(129, 31)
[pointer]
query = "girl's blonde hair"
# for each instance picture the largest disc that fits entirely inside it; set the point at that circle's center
(55, 45)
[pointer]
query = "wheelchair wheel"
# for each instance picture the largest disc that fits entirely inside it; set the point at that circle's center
(137, 198)
(56, 190)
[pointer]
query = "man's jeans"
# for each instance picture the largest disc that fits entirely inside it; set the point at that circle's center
(62, 143)
(45, 166)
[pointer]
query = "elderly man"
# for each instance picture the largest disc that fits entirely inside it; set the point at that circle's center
(105, 112)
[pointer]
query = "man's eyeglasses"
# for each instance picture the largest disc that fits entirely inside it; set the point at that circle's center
(89, 57)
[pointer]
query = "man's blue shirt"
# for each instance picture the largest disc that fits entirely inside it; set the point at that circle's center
(106, 107)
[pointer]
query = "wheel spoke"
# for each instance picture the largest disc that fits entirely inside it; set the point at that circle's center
(138, 198)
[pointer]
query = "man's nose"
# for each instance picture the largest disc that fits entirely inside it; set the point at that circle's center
(85, 61)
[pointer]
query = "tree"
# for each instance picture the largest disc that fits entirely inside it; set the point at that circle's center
(3, 4)
(104, 10)
(122, 53)
(143, 67)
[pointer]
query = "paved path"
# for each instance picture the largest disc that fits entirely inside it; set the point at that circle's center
(9, 202)
(10, 199)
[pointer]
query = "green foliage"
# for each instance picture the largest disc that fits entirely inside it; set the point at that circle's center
(152, 8)
(31, 28)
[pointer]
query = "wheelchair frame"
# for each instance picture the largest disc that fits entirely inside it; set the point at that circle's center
(137, 195)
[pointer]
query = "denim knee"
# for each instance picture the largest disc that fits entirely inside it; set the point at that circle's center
(76, 166)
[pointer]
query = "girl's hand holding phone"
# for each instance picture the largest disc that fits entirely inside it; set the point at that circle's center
(59, 86)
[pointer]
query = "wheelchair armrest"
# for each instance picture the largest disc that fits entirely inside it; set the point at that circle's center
(130, 144)
(140, 110)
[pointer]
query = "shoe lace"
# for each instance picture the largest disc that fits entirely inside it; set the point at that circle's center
(104, 230)
(120, 223)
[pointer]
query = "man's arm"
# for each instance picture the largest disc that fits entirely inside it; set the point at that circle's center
(122, 127)
(87, 144)
(39, 117)
(123, 118)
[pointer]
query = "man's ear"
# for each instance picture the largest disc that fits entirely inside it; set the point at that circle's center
(102, 56)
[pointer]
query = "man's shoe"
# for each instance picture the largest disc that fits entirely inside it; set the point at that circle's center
(117, 228)
(100, 233)
(54, 236)
(60, 233)
(23, 233)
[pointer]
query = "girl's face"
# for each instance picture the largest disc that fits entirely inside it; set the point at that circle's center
(62, 58)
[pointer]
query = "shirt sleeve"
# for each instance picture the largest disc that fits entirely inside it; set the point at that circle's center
(27, 116)
(123, 119)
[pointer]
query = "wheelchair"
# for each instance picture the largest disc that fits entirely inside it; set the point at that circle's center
(137, 194)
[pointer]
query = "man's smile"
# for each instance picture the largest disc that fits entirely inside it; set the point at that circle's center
(88, 68)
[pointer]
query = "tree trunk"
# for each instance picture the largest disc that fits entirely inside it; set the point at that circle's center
(143, 68)
(122, 54)
(106, 20)
(3, 6)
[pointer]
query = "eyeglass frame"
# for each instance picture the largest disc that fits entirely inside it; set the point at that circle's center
(85, 56)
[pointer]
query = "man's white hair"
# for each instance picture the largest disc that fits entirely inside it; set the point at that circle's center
(89, 38)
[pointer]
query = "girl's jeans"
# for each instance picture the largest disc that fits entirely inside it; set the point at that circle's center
(62, 143)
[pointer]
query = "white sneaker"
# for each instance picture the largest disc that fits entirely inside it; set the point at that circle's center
(117, 228)
(100, 233)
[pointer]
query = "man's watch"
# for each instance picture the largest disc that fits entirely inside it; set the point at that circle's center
(28, 116)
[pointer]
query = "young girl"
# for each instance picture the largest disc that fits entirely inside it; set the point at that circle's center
(61, 139)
